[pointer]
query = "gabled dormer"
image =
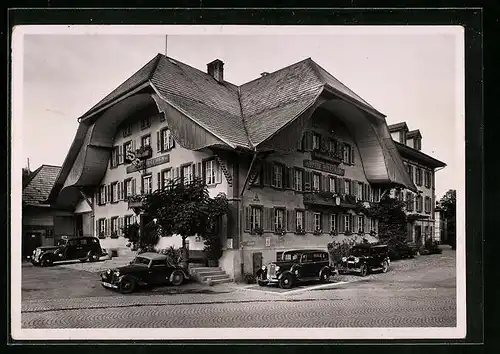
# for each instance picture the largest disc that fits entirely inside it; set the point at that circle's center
(399, 132)
(414, 139)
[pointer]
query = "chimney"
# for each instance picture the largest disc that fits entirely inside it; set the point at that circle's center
(264, 73)
(216, 70)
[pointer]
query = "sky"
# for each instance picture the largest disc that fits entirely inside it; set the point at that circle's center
(407, 77)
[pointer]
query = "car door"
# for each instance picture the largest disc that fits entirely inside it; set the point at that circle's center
(158, 272)
(71, 249)
(307, 265)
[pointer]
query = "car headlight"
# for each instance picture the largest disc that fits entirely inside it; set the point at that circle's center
(356, 259)
(344, 259)
(263, 267)
(277, 268)
(108, 271)
(117, 273)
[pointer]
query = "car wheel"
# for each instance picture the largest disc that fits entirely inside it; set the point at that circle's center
(127, 286)
(286, 281)
(45, 262)
(385, 266)
(177, 278)
(325, 276)
(261, 282)
(92, 257)
(364, 270)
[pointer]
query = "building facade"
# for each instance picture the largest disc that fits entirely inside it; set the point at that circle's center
(420, 206)
(295, 151)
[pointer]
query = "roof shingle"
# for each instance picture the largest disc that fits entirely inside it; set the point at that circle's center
(38, 188)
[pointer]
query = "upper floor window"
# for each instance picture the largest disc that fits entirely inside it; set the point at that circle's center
(210, 172)
(298, 179)
(427, 179)
(316, 141)
(347, 187)
(317, 221)
(145, 123)
(277, 180)
(127, 130)
(428, 204)
(127, 188)
(409, 201)
(373, 224)
(360, 190)
(299, 220)
(332, 145)
(114, 225)
(418, 205)
(114, 192)
(409, 168)
(347, 153)
(102, 195)
(114, 156)
(187, 174)
(147, 186)
(316, 182)
(146, 140)
(333, 222)
(127, 221)
(127, 147)
(167, 140)
(347, 222)
(278, 219)
(256, 218)
(376, 194)
(418, 176)
(417, 143)
(166, 177)
(333, 187)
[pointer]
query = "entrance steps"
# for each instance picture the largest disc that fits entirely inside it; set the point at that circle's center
(213, 275)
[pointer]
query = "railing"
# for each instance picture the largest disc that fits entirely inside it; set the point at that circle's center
(330, 199)
(326, 156)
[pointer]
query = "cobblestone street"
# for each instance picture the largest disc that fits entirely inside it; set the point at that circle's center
(417, 292)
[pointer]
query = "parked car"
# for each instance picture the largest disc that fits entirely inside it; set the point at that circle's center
(296, 266)
(147, 269)
(365, 258)
(77, 248)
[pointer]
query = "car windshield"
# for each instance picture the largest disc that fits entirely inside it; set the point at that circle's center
(140, 260)
(61, 242)
(359, 251)
(290, 256)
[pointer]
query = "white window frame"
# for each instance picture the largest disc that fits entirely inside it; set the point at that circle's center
(102, 226)
(144, 138)
(373, 224)
(114, 156)
(166, 177)
(298, 179)
(114, 224)
(333, 222)
(317, 221)
(361, 223)
(150, 184)
(166, 140)
(333, 187)
(127, 187)
(347, 187)
(127, 220)
(316, 141)
(316, 182)
(114, 192)
(187, 177)
(210, 172)
(278, 219)
(347, 153)
(102, 195)
(256, 218)
(299, 220)
(360, 191)
(277, 176)
(347, 222)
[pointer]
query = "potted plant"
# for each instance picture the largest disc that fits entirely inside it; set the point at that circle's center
(257, 231)
(318, 232)
(114, 234)
(300, 231)
(101, 234)
(144, 152)
(333, 232)
(280, 232)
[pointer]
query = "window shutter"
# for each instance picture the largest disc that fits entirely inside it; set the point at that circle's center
(338, 182)
(268, 219)
(354, 188)
(307, 181)
(218, 173)
(248, 214)
(351, 222)
(352, 154)
(158, 141)
(341, 223)
(106, 194)
(341, 182)
(355, 223)
(133, 146)
(308, 141)
(325, 218)
(118, 191)
(177, 172)
(119, 231)
(285, 219)
(158, 180)
(325, 183)
(198, 168)
(97, 228)
(106, 227)
(286, 177)
(267, 170)
(134, 187)
(367, 224)
(291, 172)
(290, 217)
(120, 154)
(308, 215)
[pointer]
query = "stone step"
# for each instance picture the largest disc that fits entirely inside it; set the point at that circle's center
(200, 269)
(210, 273)
(221, 281)
(215, 277)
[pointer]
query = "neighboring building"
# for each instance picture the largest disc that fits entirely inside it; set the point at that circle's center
(42, 225)
(421, 168)
(441, 232)
(269, 145)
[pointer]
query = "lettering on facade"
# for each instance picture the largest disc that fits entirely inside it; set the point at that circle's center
(150, 163)
(325, 167)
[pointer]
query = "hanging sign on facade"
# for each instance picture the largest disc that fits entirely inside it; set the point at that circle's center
(325, 167)
(149, 163)
(268, 241)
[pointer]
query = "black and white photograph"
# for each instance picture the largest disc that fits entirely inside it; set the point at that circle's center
(238, 182)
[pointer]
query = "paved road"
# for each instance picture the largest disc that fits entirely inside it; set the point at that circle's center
(415, 293)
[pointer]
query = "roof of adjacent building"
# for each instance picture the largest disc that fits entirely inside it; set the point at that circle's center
(397, 126)
(39, 184)
(239, 115)
(416, 155)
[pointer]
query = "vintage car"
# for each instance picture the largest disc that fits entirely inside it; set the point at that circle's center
(146, 269)
(77, 248)
(296, 266)
(365, 258)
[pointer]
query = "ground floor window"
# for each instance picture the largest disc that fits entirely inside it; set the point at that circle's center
(114, 226)
(347, 222)
(299, 218)
(102, 227)
(317, 221)
(361, 224)
(333, 222)
(256, 218)
(146, 184)
(278, 219)
(373, 225)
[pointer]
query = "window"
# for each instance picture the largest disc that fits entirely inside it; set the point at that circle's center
(333, 188)
(333, 222)
(347, 222)
(409, 201)
(418, 144)
(332, 145)
(418, 176)
(167, 140)
(114, 225)
(127, 220)
(277, 180)
(166, 177)
(360, 190)
(114, 192)
(256, 218)
(419, 203)
(376, 195)
(278, 219)
(127, 130)
(317, 221)
(361, 224)
(114, 157)
(347, 153)
(299, 220)
(210, 172)
(373, 224)
(102, 226)
(127, 188)
(146, 184)
(347, 186)
(316, 141)
(187, 174)
(427, 179)
(145, 123)
(398, 194)
(410, 171)
(146, 140)
(126, 148)
(102, 195)
(427, 204)
(316, 182)
(298, 179)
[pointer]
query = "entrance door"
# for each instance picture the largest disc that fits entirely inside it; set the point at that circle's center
(32, 240)
(418, 234)
(257, 261)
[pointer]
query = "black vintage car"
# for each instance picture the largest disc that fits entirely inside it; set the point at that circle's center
(365, 258)
(77, 248)
(296, 266)
(147, 269)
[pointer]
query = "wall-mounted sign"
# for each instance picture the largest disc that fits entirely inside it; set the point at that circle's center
(229, 243)
(268, 241)
(325, 167)
(150, 163)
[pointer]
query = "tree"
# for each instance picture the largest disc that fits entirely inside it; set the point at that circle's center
(449, 205)
(186, 209)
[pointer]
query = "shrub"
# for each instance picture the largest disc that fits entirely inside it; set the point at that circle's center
(250, 278)
(432, 246)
